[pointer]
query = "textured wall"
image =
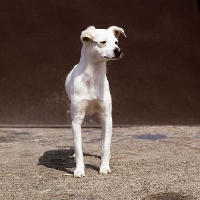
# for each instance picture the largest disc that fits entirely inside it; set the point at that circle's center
(157, 82)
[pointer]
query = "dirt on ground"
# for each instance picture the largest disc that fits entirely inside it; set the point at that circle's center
(147, 163)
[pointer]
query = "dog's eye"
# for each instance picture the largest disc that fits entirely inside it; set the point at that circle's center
(103, 42)
(116, 42)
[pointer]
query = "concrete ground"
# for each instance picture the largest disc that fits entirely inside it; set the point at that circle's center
(148, 162)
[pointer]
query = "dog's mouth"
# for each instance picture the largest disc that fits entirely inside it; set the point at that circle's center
(110, 58)
(116, 54)
(120, 56)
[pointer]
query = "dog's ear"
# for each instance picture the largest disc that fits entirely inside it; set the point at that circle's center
(116, 31)
(89, 34)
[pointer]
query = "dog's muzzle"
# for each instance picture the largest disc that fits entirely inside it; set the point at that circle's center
(118, 53)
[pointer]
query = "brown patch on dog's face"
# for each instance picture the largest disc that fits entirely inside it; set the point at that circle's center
(86, 39)
(89, 34)
(116, 33)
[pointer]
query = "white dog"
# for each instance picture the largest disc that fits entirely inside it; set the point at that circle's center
(88, 89)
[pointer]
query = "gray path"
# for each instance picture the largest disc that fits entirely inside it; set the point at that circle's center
(158, 162)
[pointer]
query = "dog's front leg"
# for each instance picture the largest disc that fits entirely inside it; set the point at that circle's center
(77, 118)
(106, 126)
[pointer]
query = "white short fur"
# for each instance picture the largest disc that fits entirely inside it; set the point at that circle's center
(88, 89)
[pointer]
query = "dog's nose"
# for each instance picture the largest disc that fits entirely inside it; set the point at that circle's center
(118, 52)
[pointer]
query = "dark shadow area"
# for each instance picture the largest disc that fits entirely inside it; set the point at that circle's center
(151, 137)
(62, 160)
(168, 196)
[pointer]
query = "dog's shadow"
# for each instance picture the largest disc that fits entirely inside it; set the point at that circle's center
(62, 160)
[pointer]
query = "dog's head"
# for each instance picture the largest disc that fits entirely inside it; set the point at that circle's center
(102, 44)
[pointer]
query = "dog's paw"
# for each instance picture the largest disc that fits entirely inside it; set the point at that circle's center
(104, 170)
(78, 173)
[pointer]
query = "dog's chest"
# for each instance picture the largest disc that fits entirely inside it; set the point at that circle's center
(93, 86)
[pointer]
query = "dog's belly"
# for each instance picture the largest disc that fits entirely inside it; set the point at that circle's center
(93, 106)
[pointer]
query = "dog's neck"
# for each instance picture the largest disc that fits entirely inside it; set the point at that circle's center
(93, 69)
